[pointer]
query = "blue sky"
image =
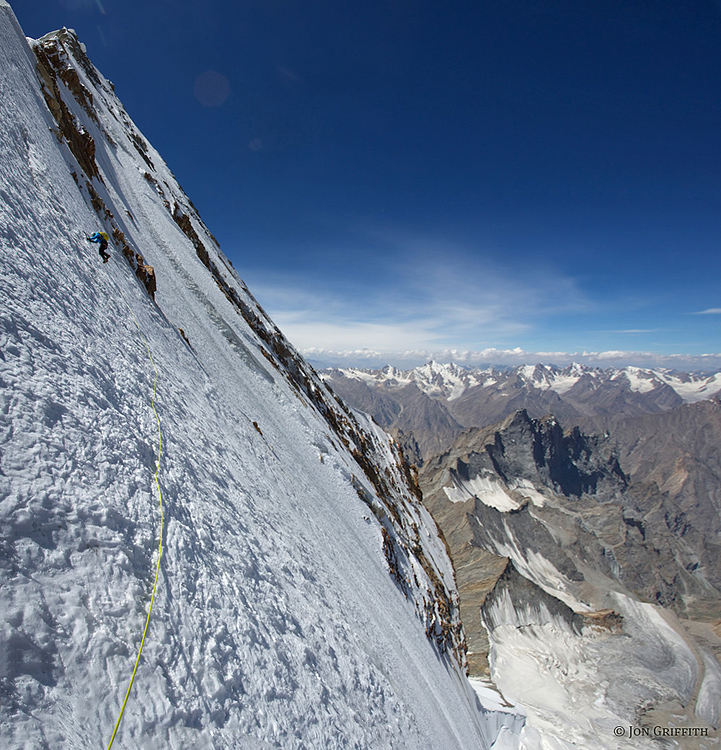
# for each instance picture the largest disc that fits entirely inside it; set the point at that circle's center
(497, 181)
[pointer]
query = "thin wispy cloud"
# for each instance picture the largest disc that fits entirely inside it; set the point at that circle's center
(710, 311)
(428, 300)
(635, 330)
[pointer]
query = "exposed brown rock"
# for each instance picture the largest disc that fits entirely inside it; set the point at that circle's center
(476, 570)
(184, 222)
(79, 141)
(603, 619)
(146, 274)
(98, 203)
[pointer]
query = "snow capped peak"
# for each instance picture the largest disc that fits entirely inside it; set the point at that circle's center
(450, 381)
(694, 388)
(446, 380)
(435, 379)
(544, 377)
(532, 372)
(690, 387)
(639, 380)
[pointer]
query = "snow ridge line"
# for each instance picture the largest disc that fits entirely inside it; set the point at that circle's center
(160, 500)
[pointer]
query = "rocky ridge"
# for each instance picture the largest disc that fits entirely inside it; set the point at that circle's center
(63, 60)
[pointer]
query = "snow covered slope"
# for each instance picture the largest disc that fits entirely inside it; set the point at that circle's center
(304, 598)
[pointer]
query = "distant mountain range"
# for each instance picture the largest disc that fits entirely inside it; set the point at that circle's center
(429, 406)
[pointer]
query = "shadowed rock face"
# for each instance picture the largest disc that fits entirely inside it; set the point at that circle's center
(538, 451)
(674, 465)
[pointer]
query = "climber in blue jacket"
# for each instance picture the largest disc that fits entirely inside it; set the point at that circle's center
(102, 239)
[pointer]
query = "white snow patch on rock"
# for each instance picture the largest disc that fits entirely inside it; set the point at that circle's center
(525, 488)
(487, 489)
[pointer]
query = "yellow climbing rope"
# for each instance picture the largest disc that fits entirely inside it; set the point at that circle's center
(160, 542)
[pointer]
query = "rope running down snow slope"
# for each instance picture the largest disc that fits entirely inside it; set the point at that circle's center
(160, 543)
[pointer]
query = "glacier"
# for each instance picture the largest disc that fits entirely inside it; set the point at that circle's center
(304, 599)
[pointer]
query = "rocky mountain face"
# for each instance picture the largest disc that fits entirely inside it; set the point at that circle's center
(673, 462)
(429, 406)
(604, 547)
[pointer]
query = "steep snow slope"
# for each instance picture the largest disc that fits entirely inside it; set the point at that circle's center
(304, 598)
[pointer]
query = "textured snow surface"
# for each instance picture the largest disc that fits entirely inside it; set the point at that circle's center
(575, 690)
(276, 623)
